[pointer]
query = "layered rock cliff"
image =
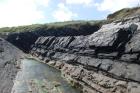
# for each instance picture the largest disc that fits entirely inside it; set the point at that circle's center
(24, 37)
(106, 61)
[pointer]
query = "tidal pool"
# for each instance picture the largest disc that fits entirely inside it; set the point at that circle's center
(37, 77)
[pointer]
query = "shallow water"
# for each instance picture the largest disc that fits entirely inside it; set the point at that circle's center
(37, 77)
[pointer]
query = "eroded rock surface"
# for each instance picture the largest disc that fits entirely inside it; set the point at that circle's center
(106, 61)
(24, 37)
(9, 65)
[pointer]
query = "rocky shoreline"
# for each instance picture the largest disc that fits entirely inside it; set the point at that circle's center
(91, 81)
(106, 61)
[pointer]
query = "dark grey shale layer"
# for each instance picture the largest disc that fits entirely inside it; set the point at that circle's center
(9, 65)
(107, 61)
(23, 40)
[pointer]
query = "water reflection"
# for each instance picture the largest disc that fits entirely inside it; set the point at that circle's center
(36, 77)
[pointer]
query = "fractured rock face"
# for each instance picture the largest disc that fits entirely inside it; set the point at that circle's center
(112, 39)
(106, 61)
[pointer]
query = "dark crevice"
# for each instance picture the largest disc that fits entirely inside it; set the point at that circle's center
(71, 39)
(104, 72)
(50, 41)
(92, 56)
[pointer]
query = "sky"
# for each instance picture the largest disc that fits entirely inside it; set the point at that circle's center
(26, 12)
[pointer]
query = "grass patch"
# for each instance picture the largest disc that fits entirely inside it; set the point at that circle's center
(124, 13)
(56, 25)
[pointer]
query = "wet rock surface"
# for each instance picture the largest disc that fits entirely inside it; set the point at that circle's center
(37, 77)
(106, 61)
(9, 65)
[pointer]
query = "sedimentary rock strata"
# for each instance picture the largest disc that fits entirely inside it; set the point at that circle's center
(106, 61)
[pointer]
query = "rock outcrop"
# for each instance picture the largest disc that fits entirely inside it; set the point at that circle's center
(9, 65)
(24, 37)
(106, 61)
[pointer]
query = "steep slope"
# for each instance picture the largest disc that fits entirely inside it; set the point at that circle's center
(9, 65)
(124, 13)
(20, 35)
(97, 58)
(106, 61)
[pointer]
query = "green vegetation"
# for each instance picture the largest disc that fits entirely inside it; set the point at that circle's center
(123, 13)
(56, 25)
